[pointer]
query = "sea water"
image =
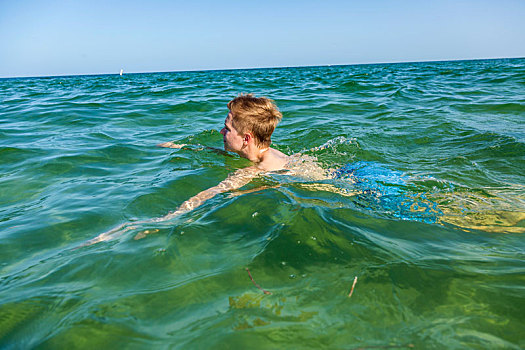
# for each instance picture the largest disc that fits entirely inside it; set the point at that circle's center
(426, 207)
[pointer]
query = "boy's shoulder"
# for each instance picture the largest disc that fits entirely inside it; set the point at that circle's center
(273, 160)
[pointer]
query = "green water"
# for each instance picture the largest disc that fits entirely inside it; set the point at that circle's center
(78, 156)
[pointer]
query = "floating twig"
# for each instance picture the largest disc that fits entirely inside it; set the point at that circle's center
(258, 286)
(353, 285)
(411, 346)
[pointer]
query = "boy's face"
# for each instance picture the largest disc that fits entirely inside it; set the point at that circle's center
(233, 141)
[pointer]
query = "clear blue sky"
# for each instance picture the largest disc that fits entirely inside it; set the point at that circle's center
(48, 37)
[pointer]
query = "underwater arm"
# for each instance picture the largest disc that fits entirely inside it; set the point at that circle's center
(236, 180)
(171, 144)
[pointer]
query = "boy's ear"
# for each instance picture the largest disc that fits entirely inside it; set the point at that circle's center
(247, 137)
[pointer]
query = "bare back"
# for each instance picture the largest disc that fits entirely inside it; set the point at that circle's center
(297, 164)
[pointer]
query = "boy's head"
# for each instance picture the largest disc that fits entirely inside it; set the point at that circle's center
(256, 115)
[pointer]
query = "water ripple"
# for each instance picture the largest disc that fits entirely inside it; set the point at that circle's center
(428, 210)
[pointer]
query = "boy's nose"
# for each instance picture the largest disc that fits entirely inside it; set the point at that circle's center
(222, 131)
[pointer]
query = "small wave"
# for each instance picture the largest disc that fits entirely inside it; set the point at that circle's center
(333, 143)
(509, 107)
(191, 106)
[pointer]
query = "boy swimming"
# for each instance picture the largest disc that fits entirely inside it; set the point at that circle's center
(247, 131)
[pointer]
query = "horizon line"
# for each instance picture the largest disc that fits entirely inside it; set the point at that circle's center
(256, 68)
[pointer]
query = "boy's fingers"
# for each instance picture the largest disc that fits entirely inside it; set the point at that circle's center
(143, 234)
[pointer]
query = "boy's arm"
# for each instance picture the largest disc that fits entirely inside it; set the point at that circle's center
(170, 144)
(236, 180)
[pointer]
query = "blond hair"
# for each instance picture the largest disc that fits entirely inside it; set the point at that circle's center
(258, 115)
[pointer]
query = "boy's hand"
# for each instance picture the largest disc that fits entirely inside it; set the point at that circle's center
(106, 236)
(171, 145)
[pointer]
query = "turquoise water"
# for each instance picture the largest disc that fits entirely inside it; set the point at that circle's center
(436, 236)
